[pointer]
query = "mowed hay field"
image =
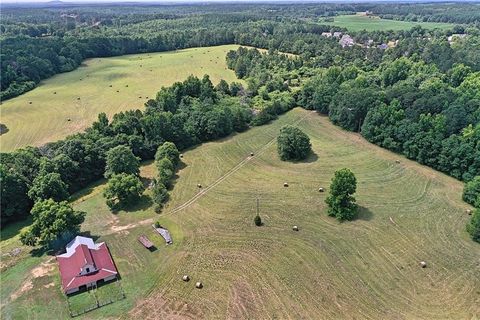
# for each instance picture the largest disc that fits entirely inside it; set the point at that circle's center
(46, 118)
(361, 22)
(364, 269)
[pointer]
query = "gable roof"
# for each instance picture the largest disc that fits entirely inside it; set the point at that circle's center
(83, 251)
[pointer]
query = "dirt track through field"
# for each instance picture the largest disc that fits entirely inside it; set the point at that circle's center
(228, 173)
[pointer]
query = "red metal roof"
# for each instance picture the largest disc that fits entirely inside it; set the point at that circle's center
(71, 266)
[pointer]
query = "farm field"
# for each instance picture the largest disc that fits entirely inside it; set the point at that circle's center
(361, 22)
(364, 269)
(96, 83)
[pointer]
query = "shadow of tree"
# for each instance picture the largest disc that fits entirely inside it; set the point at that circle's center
(363, 214)
(14, 228)
(143, 203)
(312, 157)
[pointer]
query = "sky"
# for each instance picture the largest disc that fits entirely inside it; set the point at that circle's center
(159, 1)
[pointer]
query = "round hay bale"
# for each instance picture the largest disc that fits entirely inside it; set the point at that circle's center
(110, 86)
(140, 97)
(251, 154)
(186, 278)
(285, 184)
(321, 189)
(118, 90)
(199, 185)
(68, 119)
(295, 228)
(181, 155)
(397, 161)
(30, 102)
(469, 212)
(199, 285)
(423, 264)
(126, 85)
(54, 92)
(78, 98)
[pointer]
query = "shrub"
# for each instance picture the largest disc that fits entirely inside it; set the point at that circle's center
(257, 220)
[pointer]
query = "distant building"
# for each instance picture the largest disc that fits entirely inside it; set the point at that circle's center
(337, 35)
(327, 34)
(85, 264)
(383, 46)
(346, 41)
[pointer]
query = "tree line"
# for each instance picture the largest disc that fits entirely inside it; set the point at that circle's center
(183, 115)
(39, 43)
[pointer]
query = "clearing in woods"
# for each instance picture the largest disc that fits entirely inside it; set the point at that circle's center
(365, 269)
(360, 22)
(52, 110)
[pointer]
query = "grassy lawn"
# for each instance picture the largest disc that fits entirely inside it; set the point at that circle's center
(372, 23)
(367, 268)
(96, 84)
(82, 301)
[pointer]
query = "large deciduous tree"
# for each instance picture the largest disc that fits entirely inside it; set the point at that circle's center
(48, 186)
(52, 222)
(471, 191)
(341, 203)
(168, 150)
(122, 190)
(293, 144)
(121, 160)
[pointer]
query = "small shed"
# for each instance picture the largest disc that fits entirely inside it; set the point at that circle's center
(145, 241)
(164, 233)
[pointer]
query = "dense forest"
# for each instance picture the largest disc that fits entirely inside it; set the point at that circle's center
(38, 43)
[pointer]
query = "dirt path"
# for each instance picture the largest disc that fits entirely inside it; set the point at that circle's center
(227, 174)
(42, 270)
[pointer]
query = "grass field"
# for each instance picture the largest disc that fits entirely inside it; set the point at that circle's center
(361, 22)
(46, 118)
(364, 269)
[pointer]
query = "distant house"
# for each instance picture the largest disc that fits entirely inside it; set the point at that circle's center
(85, 264)
(337, 35)
(383, 46)
(346, 41)
(327, 34)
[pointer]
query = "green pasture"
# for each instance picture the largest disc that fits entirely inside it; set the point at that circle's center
(68, 103)
(364, 269)
(360, 22)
